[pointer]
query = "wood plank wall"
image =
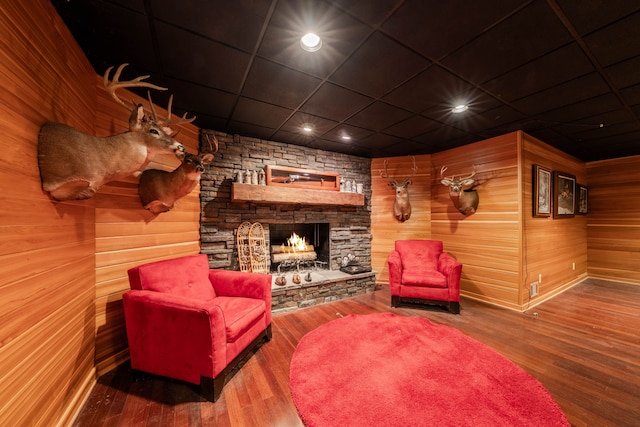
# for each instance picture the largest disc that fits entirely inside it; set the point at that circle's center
(613, 223)
(385, 229)
(552, 246)
(128, 235)
(502, 247)
(487, 243)
(47, 249)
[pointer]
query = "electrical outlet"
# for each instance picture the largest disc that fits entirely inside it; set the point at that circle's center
(533, 289)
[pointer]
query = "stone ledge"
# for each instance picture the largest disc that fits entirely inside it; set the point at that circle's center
(326, 286)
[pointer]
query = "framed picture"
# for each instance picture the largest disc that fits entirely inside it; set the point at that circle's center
(582, 201)
(564, 191)
(541, 191)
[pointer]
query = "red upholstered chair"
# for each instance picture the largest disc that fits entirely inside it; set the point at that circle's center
(188, 322)
(421, 272)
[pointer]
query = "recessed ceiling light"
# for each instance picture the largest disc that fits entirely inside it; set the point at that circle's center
(307, 128)
(311, 42)
(346, 137)
(460, 108)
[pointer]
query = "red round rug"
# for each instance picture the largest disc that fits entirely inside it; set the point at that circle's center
(390, 370)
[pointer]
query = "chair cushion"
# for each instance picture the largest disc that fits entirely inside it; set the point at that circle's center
(240, 314)
(431, 279)
(186, 276)
(420, 257)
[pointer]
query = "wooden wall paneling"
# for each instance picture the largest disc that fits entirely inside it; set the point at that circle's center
(551, 245)
(487, 243)
(128, 235)
(385, 229)
(47, 248)
(613, 222)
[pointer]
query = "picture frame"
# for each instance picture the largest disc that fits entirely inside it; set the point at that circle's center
(541, 191)
(564, 193)
(582, 200)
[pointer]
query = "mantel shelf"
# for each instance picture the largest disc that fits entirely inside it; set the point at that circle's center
(292, 196)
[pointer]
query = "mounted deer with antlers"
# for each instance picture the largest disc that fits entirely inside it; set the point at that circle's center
(401, 205)
(159, 190)
(465, 200)
(74, 165)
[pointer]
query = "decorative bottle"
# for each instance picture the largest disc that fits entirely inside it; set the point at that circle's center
(254, 177)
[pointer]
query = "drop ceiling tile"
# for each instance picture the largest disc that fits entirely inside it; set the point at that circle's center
(353, 132)
(587, 16)
(255, 131)
(180, 62)
(335, 103)
(581, 112)
(340, 33)
(278, 85)
(427, 26)
(549, 70)
(236, 23)
(565, 94)
(298, 120)
(377, 141)
(198, 99)
(260, 113)
(509, 44)
(631, 95)
(378, 66)
(378, 116)
(412, 126)
(616, 43)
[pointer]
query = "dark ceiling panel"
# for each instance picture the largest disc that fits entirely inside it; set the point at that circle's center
(515, 41)
(341, 35)
(278, 85)
(176, 55)
(236, 23)
(378, 116)
(389, 71)
(616, 43)
(378, 66)
(324, 103)
(549, 70)
(426, 25)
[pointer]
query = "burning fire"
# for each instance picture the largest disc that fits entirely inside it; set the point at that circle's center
(297, 243)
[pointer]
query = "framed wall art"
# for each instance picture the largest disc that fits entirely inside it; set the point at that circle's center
(541, 191)
(582, 201)
(564, 191)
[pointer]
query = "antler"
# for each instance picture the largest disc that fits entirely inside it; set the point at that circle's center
(209, 137)
(115, 84)
(167, 122)
(444, 168)
(414, 169)
(385, 174)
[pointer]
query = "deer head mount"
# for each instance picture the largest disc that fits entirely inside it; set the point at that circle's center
(74, 165)
(159, 190)
(401, 205)
(463, 198)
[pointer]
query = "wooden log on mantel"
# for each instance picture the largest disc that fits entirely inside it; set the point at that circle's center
(292, 196)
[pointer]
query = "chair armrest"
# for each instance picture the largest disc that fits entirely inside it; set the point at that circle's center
(162, 328)
(452, 269)
(233, 283)
(395, 272)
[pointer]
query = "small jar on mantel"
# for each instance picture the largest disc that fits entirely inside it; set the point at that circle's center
(240, 177)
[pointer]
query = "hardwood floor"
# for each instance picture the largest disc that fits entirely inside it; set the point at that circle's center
(583, 345)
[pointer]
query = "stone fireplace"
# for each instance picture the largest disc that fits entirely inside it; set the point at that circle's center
(334, 230)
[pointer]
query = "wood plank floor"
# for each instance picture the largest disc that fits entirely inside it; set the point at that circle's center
(583, 345)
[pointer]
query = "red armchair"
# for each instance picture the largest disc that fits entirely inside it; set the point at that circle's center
(421, 272)
(188, 322)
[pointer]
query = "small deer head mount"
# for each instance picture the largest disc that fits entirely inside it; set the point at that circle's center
(401, 205)
(463, 198)
(159, 190)
(74, 165)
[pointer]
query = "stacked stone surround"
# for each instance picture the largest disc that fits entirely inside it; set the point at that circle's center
(350, 226)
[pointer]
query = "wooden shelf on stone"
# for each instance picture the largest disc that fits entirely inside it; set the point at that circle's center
(292, 196)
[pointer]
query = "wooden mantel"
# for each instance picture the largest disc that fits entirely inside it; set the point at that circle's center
(292, 196)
